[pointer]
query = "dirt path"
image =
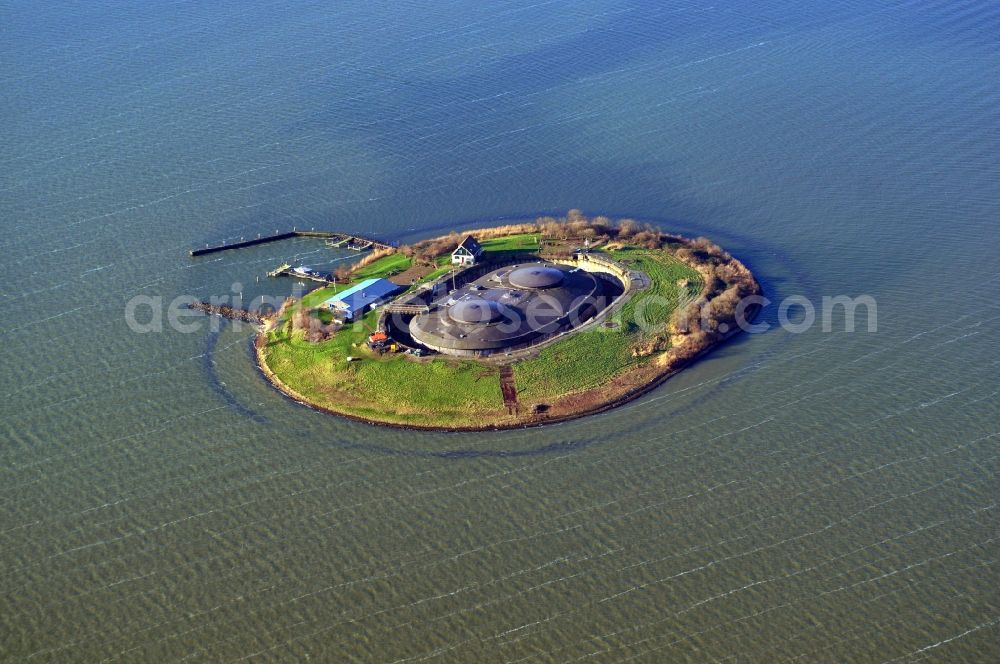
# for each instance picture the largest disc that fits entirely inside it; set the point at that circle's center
(508, 388)
(411, 274)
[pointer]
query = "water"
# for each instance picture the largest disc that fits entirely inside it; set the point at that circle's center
(820, 496)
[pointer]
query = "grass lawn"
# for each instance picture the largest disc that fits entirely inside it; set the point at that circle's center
(441, 271)
(666, 274)
(590, 358)
(383, 267)
(320, 295)
(525, 242)
(579, 362)
(393, 387)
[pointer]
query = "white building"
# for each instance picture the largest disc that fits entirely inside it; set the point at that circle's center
(467, 253)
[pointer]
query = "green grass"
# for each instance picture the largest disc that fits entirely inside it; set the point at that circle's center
(580, 362)
(527, 242)
(591, 358)
(392, 387)
(447, 392)
(440, 272)
(383, 267)
(665, 272)
(322, 294)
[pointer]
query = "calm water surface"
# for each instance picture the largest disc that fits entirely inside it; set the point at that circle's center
(825, 496)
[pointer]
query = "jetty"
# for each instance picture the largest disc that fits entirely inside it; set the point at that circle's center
(280, 270)
(333, 239)
(355, 245)
(231, 313)
(286, 270)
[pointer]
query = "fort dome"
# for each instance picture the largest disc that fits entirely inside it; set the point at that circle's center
(475, 310)
(535, 277)
(511, 307)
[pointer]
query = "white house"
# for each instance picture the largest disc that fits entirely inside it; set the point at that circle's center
(467, 253)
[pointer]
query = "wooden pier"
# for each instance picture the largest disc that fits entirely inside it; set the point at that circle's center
(333, 238)
(286, 270)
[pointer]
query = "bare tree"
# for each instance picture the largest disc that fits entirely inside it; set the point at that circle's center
(627, 228)
(551, 227)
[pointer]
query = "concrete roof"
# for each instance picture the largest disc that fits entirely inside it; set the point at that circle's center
(492, 313)
(365, 292)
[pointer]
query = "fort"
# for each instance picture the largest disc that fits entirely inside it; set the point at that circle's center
(512, 307)
(516, 326)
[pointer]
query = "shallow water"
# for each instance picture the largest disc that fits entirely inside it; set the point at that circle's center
(827, 496)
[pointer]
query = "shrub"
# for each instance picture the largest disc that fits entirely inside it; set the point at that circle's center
(551, 228)
(627, 228)
(649, 239)
(500, 231)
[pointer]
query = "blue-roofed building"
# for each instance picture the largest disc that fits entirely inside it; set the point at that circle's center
(361, 297)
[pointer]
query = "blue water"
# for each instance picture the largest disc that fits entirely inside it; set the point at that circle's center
(825, 496)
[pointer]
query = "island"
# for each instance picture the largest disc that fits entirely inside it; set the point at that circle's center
(512, 326)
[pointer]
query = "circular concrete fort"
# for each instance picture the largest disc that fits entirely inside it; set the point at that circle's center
(513, 307)
(515, 325)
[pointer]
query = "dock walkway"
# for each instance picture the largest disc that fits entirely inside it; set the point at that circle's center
(286, 270)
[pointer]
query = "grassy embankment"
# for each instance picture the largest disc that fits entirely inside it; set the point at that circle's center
(446, 392)
(590, 358)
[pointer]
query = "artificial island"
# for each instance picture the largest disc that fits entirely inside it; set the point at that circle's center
(504, 327)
